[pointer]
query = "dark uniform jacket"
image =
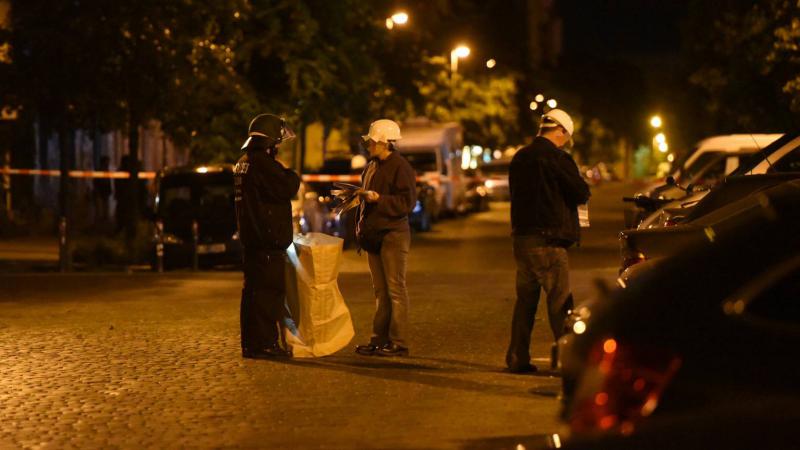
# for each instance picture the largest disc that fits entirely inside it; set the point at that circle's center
(263, 191)
(396, 182)
(546, 189)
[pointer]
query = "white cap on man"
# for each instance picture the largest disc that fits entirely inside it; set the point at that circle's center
(557, 117)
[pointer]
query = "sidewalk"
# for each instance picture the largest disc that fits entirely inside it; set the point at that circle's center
(29, 249)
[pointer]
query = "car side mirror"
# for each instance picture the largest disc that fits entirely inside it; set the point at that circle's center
(671, 180)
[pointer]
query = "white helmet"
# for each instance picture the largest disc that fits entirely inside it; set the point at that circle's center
(558, 117)
(383, 130)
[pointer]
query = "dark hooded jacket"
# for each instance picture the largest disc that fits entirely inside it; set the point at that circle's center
(263, 191)
(395, 181)
(546, 189)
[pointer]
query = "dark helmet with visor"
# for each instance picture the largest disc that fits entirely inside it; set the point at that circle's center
(267, 131)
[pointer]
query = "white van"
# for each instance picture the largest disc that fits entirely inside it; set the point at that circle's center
(718, 156)
(433, 151)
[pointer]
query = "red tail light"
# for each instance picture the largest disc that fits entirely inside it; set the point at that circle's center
(671, 222)
(631, 259)
(623, 384)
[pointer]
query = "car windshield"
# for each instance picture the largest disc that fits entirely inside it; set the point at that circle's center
(196, 196)
(702, 164)
(785, 148)
(422, 161)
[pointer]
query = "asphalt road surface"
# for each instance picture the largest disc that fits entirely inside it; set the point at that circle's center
(112, 360)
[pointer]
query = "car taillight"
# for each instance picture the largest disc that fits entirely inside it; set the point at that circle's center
(622, 384)
(671, 222)
(631, 259)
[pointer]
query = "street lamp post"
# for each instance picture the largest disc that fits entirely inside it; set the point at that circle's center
(462, 51)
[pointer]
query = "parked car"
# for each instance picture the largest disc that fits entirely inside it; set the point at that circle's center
(201, 195)
(477, 195)
(316, 211)
(496, 174)
(782, 156)
(721, 208)
(706, 166)
(711, 331)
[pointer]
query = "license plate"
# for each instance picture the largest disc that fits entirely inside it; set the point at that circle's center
(210, 248)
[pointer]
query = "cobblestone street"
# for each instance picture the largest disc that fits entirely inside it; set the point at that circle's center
(146, 361)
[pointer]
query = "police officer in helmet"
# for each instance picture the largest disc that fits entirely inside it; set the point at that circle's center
(264, 188)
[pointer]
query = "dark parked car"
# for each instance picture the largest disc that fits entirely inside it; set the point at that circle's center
(720, 208)
(203, 196)
(782, 156)
(706, 337)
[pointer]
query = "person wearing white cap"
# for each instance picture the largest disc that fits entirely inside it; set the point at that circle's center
(390, 194)
(546, 189)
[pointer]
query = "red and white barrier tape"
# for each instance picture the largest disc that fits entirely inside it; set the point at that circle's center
(329, 178)
(150, 175)
(74, 173)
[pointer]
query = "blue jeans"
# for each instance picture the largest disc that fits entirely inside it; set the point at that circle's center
(388, 272)
(539, 266)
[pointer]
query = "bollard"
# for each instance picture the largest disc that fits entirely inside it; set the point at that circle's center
(63, 250)
(160, 246)
(195, 242)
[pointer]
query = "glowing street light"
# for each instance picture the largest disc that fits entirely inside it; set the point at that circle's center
(671, 157)
(552, 103)
(656, 122)
(534, 106)
(462, 51)
(660, 138)
(491, 63)
(400, 18)
(663, 147)
(539, 98)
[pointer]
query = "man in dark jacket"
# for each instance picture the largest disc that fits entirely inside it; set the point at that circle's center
(546, 189)
(263, 190)
(390, 193)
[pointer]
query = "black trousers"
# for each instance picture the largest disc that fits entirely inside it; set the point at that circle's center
(263, 306)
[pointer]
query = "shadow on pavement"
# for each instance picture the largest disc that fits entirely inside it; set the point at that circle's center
(409, 372)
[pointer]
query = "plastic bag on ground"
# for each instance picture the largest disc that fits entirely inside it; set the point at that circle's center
(323, 320)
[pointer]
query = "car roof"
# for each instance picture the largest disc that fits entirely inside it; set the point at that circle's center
(736, 142)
